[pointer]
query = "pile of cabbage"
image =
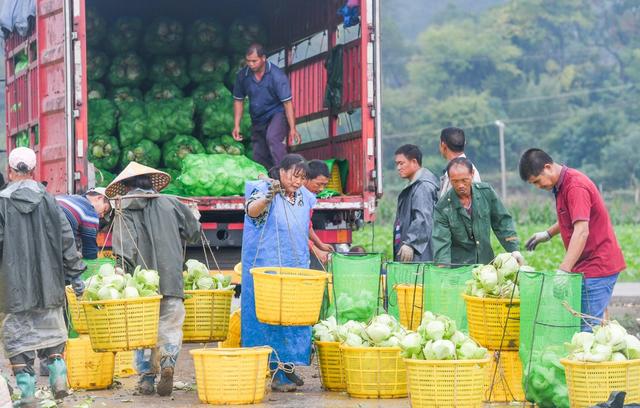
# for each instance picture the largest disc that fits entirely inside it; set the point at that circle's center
(361, 306)
(437, 338)
(112, 283)
(497, 279)
(544, 379)
(198, 277)
(383, 331)
(608, 342)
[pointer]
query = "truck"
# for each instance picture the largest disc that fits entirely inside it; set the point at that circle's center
(46, 99)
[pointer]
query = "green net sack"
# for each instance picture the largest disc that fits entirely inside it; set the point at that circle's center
(93, 266)
(545, 325)
(356, 286)
(405, 283)
(444, 287)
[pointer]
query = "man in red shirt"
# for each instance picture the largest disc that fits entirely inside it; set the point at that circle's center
(585, 228)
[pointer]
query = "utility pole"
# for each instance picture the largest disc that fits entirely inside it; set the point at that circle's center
(503, 164)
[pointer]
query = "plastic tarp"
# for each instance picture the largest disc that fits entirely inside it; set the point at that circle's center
(14, 16)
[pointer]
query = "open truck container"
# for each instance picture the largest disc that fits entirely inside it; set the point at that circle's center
(47, 100)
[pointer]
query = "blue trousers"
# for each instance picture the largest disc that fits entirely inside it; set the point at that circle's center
(596, 294)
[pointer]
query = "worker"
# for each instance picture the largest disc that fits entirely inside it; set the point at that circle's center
(465, 216)
(270, 106)
(316, 181)
(152, 233)
(452, 142)
(414, 214)
(38, 257)
(84, 213)
(276, 231)
(585, 227)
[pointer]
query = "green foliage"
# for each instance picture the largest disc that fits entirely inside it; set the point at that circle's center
(96, 90)
(97, 65)
(208, 67)
(168, 118)
(170, 69)
(132, 124)
(102, 117)
(125, 94)
(163, 91)
(125, 34)
(144, 152)
(164, 36)
(127, 69)
(208, 92)
(205, 35)
(104, 152)
(175, 150)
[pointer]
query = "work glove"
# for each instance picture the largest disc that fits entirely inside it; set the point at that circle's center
(561, 284)
(274, 188)
(78, 286)
(518, 256)
(537, 238)
(405, 253)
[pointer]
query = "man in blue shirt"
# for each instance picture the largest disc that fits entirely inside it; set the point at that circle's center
(270, 106)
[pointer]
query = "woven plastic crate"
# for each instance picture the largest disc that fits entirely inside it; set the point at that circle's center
(446, 383)
(125, 364)
(231, 376)
(491, 319)
(410, 305)
(123, 324)
(87, 369)
(235, 325)
(206, 315)
(374, 372)
(507, 385)
(331, 367)
(591, 383)
(288, 296)
(76, 311)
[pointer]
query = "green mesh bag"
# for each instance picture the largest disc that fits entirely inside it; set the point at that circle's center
(356, 286)
(444, 289)
(545, 325)
(409, 279)
(93, 266)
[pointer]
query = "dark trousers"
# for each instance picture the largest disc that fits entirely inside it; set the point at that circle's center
(23, 362)
(270, 140)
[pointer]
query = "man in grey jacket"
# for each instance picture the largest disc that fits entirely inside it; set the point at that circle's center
(38, 256)
(151, 233)
(414, 216)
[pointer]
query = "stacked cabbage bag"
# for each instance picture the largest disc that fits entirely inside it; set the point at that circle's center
(160, 90)
(112, 283)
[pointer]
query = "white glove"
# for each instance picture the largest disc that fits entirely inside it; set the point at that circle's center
(537, 238)
(518, 256)
(405, 253)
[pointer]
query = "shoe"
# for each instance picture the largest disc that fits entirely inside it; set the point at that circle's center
(146, 385)
(294, 378)
(58, 378)
(283, 387)
(27, 386)
(165, 385)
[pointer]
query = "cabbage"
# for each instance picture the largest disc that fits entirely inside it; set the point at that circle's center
(469, 350)
(434, 330)
(378, 332)
(411, 344)
(632, 347)
(488, 277)
(608, 342)
(458, 338)
(442, 350)
(108, 293)
(496, 280)
(130, 293)
(106, 270)
(611, 334)
(617, 356)
(582, 342)
(353, 340)
(205, 283)
(507, 265)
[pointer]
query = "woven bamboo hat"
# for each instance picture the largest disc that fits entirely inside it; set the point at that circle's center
(159, 179)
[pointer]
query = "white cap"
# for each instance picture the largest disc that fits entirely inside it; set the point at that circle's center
(22, 155)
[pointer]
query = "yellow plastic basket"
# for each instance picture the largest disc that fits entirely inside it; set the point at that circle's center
(446, 383)
(76, 311)
(125, 364)
(87, 369)
(335, 182)
(591, 383)
(410, 301)
(488, 322)
(231, 376)
(206, 315)
(331, 367)
(235, 326)
(288, 296)
(507, 385)
(123, 324)
(374, 372)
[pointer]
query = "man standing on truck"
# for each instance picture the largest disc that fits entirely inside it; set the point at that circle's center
(38, 256)
(270, 106)
(84, 213)
(586, 231)
(414, 216)
(452, 141)
(152, 233)
(464, 218)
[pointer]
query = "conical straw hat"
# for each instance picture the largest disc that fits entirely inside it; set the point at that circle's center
(159, 179)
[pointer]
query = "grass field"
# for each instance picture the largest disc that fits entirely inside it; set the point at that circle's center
(546, 257)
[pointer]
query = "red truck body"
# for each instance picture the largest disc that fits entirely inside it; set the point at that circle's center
(48, 99)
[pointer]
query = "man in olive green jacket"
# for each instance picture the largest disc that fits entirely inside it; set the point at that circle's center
(464, 218)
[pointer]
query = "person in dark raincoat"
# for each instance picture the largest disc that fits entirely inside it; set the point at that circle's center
(38, 256)
(464, 218)
(414, 215)
(152, 235)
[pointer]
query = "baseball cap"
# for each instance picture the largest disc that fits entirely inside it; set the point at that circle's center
(22, 155)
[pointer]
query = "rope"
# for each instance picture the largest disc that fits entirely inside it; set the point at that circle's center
(119, 214)
(287, 368)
